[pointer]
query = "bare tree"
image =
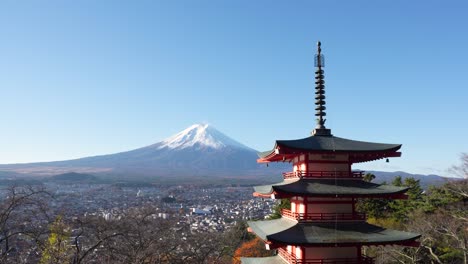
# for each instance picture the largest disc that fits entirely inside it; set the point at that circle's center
(88, 237)
(24, 218)
(438, 230)
(137, 236)
(133, 236)
(462, 169)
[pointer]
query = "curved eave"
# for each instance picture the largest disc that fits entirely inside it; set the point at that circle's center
(288, 232)
(354, 157)
(361, 150)
(329, 188)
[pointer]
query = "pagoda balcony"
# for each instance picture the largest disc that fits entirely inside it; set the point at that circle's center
(324, 174)
(305, 217)
(292, 259)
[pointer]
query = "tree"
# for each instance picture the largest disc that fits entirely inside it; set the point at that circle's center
(397, 181)
(400, 208)
(374, 208)
(462, 169)
(234, 238)
(368, 177)
(137, 235)
(252, 248)
(439, 197)
(452, 232)
(461, 187)
(282, 204)
(20, 205)
(57, 249)
(89, 236)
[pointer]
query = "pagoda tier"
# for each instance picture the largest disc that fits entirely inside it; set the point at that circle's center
(281, 232)
(357, 151)
(335, 188)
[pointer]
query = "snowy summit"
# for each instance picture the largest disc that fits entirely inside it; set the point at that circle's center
(200, 135)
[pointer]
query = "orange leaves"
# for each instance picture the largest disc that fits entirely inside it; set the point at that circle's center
(251, 248)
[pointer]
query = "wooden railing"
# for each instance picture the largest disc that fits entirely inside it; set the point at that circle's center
(324, 174)
(292, 259)
(322, 216)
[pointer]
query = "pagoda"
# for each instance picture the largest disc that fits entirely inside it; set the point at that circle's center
(323, 225)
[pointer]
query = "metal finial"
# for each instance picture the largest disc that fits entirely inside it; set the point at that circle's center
(320, 129)
(319, 59)
(319, 88)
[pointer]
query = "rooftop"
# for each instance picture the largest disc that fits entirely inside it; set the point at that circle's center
(329, 144)
(329, 188)
(290, 232)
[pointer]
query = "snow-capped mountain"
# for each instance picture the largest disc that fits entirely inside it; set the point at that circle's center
(202, 136)
(199, 150)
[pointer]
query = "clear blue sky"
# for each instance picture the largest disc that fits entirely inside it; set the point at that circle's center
(80, 78)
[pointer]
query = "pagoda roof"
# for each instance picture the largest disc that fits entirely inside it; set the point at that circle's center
(290, 232)
(325, 144)
(265, 260)
(329, 188)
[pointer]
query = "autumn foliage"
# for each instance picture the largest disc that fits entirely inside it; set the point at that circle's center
(251, 248)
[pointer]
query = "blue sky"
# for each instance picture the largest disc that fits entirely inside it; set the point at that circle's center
(81, 78)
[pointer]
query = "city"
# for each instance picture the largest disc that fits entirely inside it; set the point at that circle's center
(201, 209)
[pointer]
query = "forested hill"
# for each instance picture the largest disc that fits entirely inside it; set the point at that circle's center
(425, 180)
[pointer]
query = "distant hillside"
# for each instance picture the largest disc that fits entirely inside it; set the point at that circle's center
(74, 177)
(11, 175)
(425, 180)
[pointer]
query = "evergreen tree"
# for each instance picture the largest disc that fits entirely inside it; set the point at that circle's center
(374, 208)
(283, 204)
(368, 177)
(401, 208)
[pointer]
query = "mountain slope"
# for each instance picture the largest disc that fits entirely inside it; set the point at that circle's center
(197, 150)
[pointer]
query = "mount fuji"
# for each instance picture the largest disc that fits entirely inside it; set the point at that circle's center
(200, 136)
(199, 150)
(196, 154)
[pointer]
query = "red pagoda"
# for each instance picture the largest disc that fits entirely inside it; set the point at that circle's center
(323, 225)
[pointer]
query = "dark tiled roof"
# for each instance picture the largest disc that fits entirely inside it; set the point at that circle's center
(266, 260)
(331, 143)
(293, 233)
(329, 187)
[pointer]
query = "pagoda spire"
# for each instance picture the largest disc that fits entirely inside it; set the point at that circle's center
(320, 129)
